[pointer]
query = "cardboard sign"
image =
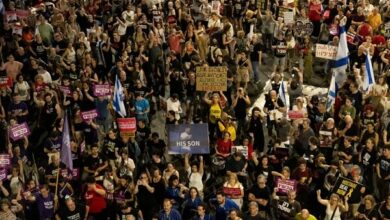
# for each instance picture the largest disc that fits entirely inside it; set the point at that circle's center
(101, 90)
(284, 186)
(347, 188)
(89, 115)
(295, 114)
(3, 174)
(211, 78)
(232, 191)
(127, 125)
(19, 131)
(5, 160)
(326, 51)
(242, 149)
(288, 17)
(66, 90)
(188, 138)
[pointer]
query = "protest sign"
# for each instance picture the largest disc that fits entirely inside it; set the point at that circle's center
(347, 188)
(3, 174)
(188, 138)
(288, 17)
(284, 186)
(19, 131)
(387, 29)
(211, 78)
(101, 90)
(242, 149)
(5, 160)
(295, 115)
(89, 115)
(325, 138)
(127, 125)
(303, 27)
(5, 81)
(262, 5)
(282, 10)
(326, 51)
(66, 90)
(232, 191)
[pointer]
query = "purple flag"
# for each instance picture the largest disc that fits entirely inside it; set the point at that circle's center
(66, 154)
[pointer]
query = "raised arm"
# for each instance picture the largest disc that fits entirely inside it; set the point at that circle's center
(320, 200)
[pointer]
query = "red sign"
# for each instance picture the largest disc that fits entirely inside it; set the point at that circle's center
(127, 125)
(101, 90)
(232, 191)
(295, 114)
(66, 90)
(5, 160)
(5, 81)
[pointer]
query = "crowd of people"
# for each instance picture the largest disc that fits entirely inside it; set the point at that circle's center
(55, 53)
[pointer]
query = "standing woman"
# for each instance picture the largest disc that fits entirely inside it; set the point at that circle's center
(307, 58)
(256, 130)
(215, 113)
(334, 206)
(315, 10)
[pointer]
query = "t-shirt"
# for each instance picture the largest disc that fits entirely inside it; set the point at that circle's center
(77, 214)
(45, 206)
(95, 201)
(384, 166)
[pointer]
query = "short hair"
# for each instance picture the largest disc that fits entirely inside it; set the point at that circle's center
(220, 192)
(253, 203)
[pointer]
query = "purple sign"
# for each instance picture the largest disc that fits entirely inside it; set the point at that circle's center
(19, 131)
(5, 160)
(101, 90)
(66, 90)
(89, 115)
(3, 174)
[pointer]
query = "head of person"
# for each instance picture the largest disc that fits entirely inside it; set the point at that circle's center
(369, 202)
(334, 199)
(220, 197)
(201, 209)
(173, 181)
(292, 194)
(44, 190)
(4, 205)
(194, 192)
(262, 181)
(167, 206)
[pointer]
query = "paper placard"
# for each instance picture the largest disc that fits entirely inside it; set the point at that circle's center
(347, 188)
(127, 125)
(326, 51)
(66, 90)
(242, 149)
(5, 81)
(5, 160)
(188, 138)
(89, 115)
(100, 90)
(232, 191)
(211, 78)
(296, 114)
(3, 174)
(19, 131)
(288, 17)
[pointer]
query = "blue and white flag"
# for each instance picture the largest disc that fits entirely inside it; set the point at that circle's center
(119, 96)
(342, 59)
(282, 93)
(369, 79)
(66, 153)
(331, 93)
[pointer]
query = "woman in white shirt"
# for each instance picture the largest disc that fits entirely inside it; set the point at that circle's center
(195, 173)
(334, 206)
(22, 88)
(234, 189)
(173, 104)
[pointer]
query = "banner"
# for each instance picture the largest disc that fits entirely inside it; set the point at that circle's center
(326, 51)
(5, 160)
(347, 188)
(66, 90)
(3, 174)
(127, 125)
(101, 90)
(295, 115)
(211, 78)
(89, 115)
(284, 186)
(188, 138)
(19, 131)
(242, 149)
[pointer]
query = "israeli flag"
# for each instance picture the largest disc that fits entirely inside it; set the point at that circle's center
(331, 93)
(342, 58)
(119, 96)
(282, 93)
(369, 79)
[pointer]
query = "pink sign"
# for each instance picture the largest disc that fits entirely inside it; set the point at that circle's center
(19, 131)
(286, 185)
(101, 90)
(3, 174)
(5, 160)
(66, 90)
(232, 191)
(295, 114)
(127, 125)
(89, 115)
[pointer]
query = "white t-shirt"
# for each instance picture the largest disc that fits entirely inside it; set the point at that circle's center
(195, 180)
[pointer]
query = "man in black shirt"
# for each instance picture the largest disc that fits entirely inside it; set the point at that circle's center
(383, 172)
(260, 194)
(72, 211)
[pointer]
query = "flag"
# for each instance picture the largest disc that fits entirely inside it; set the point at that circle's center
(119, 96)
(369, 79)
(331, 93)
(342, 59)
(66, 153)
(282, 93)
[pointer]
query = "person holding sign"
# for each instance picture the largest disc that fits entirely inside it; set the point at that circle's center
(334, 206)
